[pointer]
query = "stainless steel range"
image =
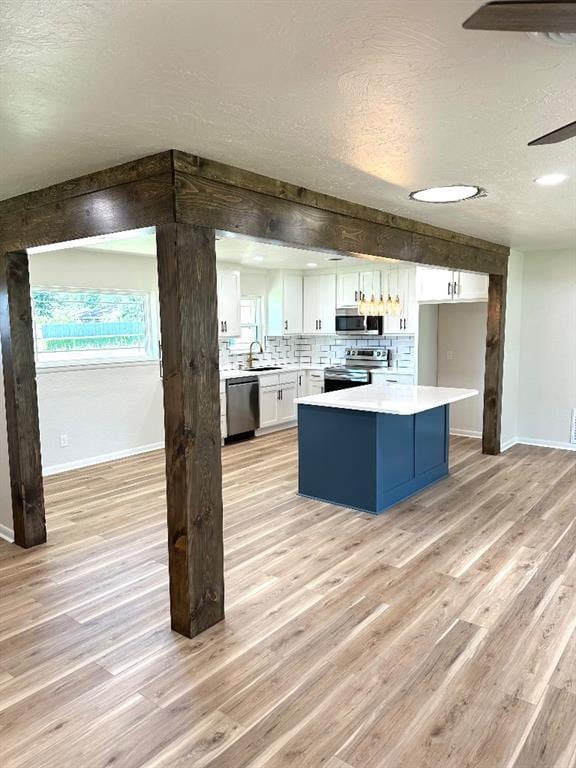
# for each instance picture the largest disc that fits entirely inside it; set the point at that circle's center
(357, 370)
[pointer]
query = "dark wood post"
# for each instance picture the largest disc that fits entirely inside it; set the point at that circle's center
(494, 370)
(189, 322)
(21, 400)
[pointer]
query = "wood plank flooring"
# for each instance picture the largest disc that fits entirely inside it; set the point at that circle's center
(441, 634)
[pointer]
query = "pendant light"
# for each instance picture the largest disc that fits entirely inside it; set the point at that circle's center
(389, 302)
(397, 302)
(362, 305)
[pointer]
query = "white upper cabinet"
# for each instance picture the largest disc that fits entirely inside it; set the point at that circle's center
(319, 304)
(347, 287)
(434, 285)
(401, 283)
(371, 283)
(284, 304)
(445, 285)
(228, 303)
(471, 286)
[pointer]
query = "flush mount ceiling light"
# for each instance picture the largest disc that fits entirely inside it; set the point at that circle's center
(551, 179)
(311, 264)
(452, 194)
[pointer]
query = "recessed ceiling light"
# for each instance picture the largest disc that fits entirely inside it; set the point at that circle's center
(451, 194)
(311, 264)
(551, 179)
(257, 258)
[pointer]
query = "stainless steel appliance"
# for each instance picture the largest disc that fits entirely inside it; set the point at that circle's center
(350, 323)
(242, 406)
(356, 370)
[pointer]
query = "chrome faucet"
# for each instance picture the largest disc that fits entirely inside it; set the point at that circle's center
(250, 360)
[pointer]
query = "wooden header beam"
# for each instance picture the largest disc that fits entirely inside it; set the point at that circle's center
(187, 198)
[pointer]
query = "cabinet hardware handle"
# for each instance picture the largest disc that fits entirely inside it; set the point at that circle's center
(355, 295)
(455, 289)
(285, 325)
(450, 288)
(320, 324)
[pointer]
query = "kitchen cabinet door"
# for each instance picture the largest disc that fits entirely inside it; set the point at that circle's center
(319, 304)
(228, 304)
(434, 285)
(409, 311)
(470, 286)
(269, 403)
(327, 303)
(315, 387)
(347, 289)
(292, 301)
(370, 284)
(310, 314)
(286, 404)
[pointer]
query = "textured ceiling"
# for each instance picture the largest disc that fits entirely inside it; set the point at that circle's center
(363, 99)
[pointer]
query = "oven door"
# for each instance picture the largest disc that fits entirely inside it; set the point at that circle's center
(331, 385)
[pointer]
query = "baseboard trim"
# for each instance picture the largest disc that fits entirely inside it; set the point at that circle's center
(6, 533)
(546, 444)
(276, 428)
(92, 461)
(508, 444)
(466, 433)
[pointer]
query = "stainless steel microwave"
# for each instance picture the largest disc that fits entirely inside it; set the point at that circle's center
(350, 323)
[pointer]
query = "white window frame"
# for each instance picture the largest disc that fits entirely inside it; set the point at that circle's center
(237, 347)
(152, 331)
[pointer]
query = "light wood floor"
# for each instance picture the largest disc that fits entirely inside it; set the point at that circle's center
(441, 634)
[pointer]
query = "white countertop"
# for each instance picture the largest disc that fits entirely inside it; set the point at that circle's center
(398, 399)
(233, 373)
(289, 367)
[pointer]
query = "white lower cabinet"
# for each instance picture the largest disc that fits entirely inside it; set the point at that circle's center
(269, 406)
(385, 377)
(315, 382)
(277, 394)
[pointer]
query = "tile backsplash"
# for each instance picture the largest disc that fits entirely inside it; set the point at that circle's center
(322, 350)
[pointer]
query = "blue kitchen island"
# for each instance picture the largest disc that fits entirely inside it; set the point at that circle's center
(372, 446)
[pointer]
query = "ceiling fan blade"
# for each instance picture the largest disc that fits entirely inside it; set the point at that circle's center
(554, 137)
(510, 16)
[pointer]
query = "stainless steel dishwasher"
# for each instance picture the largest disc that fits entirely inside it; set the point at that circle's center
(242, 406)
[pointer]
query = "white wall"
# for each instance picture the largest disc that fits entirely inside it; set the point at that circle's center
(5, 503)
(104, 411)
(461, 360)
(547, 367)
(512, 343)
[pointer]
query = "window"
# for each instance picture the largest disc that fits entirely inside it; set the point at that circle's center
(250, 324)
(75, 327)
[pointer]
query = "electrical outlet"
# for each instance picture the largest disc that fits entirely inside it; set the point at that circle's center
(573, 427)
(63, 441)
(450, 355)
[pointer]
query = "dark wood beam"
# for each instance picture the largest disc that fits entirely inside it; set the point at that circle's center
(235, 209)
(188, 311)
(132, 205)
(135, 170)
(21, 401)
(212, 170)
(494, 368)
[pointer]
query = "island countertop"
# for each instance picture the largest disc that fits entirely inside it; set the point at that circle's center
(396, 399)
